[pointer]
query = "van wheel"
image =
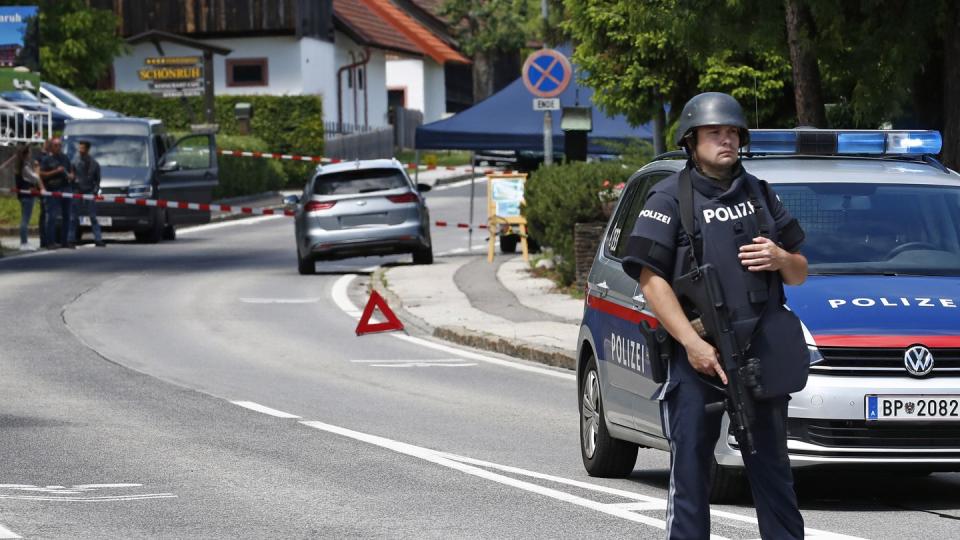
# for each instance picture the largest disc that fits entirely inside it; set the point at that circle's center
(727, 485)
(154, 234)
(169, 232)
(602, 455)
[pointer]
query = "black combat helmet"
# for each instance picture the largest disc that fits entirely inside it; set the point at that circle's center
(712, 109)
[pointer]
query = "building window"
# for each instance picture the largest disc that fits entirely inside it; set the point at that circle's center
(247, 72)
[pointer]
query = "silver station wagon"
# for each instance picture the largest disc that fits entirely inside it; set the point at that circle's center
(880, 310)
(361, 208)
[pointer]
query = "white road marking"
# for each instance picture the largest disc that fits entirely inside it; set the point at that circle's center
(434, 457)
(280, 300)
(422, 364)
(639, 502)
(224, 224)
(566, 375)
(263, 409)
(7, 533)
(475, 247)
(107, 498)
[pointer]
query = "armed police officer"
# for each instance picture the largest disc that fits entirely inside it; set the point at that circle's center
(715, 214)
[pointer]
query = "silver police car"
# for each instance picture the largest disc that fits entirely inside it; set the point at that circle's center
(881, 310)
(361, 208)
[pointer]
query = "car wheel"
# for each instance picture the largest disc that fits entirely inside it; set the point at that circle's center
(508, 243)
(423, 256)
(169, 232)
(727, 485)
(305, 265)
(602, 455)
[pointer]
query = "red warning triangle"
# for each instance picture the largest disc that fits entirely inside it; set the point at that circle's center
(377, 301)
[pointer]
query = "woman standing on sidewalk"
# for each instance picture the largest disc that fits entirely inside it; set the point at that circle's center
(26, 176)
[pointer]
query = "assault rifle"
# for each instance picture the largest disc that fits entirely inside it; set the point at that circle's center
(701, 296)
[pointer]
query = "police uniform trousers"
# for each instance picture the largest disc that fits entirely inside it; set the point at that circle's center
(693, 434)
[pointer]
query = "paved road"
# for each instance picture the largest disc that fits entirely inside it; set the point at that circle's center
(202, 388)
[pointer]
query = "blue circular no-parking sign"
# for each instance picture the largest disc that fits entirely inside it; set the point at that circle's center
(547, 73)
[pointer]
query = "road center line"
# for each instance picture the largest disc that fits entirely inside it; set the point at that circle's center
(224, 224)
(263, 409)
(7, 533)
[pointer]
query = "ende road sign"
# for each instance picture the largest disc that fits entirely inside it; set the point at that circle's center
(546, 104)
(547, 73)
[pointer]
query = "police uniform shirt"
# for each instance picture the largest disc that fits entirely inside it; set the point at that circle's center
(658, 240)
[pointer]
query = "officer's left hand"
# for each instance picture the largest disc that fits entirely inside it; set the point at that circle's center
(762, 255)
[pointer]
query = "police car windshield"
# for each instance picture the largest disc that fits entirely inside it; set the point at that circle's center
(113, 150)
(877, 228)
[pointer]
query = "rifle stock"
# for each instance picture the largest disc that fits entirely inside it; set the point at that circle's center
(701, 296)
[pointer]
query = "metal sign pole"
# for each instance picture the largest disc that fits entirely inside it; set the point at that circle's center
(473, 179)
(547, 138)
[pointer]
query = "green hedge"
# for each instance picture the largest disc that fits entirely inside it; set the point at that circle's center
(247, 176)
(287, 124)
(559, 196)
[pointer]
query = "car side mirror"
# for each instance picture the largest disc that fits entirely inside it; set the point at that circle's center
(168, 166)
(291, 200)
(423, 188)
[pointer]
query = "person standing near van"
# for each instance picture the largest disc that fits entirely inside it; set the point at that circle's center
(25, 174)
(57, 175)
(87, 172)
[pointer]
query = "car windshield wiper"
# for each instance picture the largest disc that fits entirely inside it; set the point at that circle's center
(371, 189)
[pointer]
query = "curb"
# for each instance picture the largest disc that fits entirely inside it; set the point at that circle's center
(533, 352)
(459, 177)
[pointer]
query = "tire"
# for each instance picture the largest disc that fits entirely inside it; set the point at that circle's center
(154, 234)
(423, 256)
(305, 266)
(508, 243)
(728, 485)
(169, 232)
(603, 456)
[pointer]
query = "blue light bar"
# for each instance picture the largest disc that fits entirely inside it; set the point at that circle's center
(914, 142)
(861, 143)
(773, 142)
(844, 142)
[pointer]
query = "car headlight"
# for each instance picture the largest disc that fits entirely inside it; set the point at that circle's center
(140, 192)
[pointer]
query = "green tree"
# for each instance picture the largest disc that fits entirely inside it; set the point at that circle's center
(77, 43)
(490, 30)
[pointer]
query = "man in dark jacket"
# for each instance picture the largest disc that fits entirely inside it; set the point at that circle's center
(57, 176)
(87, 172)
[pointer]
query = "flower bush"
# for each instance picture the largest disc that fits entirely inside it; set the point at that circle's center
(609, 191)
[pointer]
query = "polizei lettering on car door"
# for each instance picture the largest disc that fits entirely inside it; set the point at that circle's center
(726, 213)
(920, 302)
(627, 353)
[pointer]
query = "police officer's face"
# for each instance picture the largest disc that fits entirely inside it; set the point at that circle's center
(717, 146)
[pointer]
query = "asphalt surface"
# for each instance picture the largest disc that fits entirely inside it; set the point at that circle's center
(135, 381)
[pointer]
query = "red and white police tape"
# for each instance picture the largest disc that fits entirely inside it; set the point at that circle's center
(458, 225)
(159, 203)
(179, 205)
(326, 160)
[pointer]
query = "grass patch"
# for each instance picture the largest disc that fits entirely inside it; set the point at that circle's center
(441, 158)
(10, 212)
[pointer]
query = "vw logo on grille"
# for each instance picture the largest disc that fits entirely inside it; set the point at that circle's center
(918, 360)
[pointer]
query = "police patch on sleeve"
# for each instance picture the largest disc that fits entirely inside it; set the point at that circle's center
(652, 242)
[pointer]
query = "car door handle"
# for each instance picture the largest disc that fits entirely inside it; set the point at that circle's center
(639, 301)
(603, 288)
